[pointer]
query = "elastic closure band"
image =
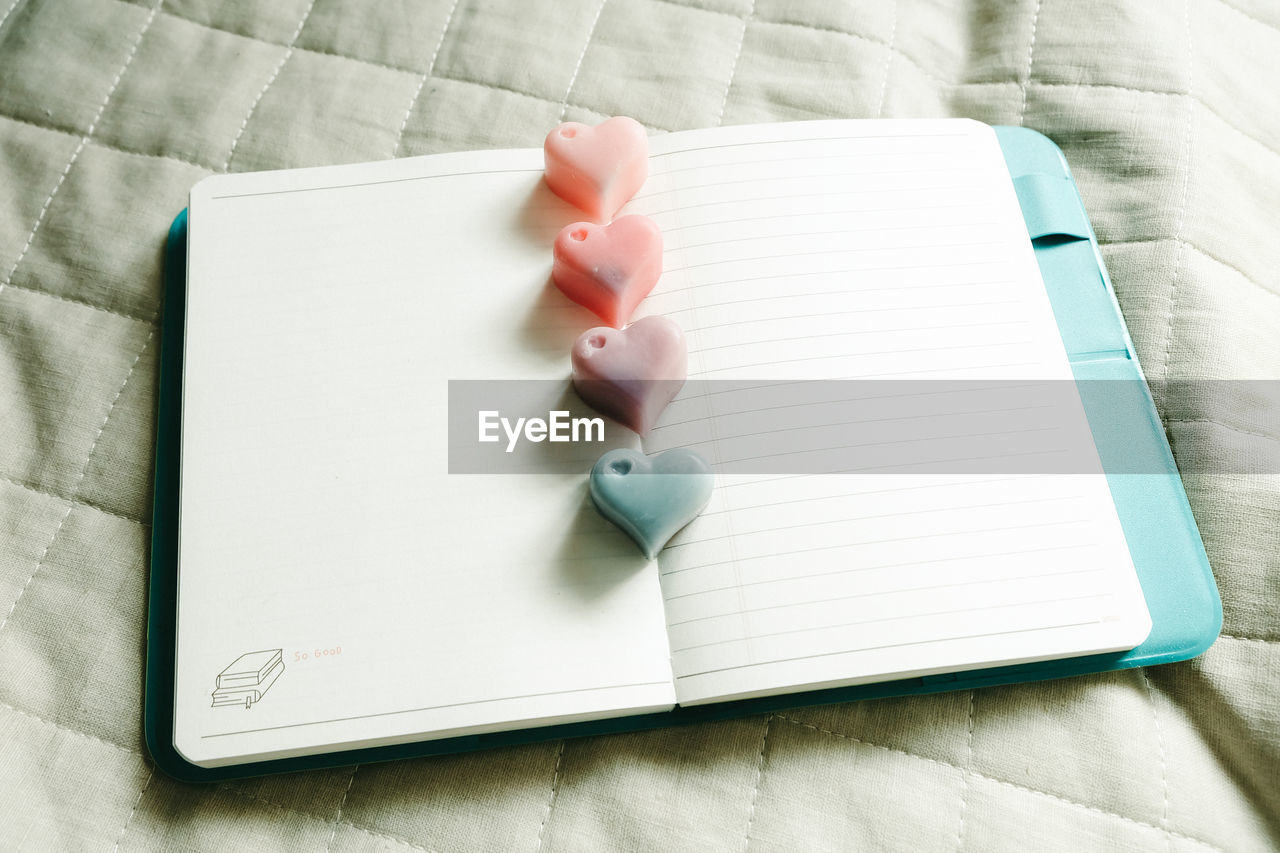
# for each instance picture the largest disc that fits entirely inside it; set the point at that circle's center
(1051, 206)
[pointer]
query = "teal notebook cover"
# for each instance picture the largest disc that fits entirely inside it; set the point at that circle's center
(1164, 543)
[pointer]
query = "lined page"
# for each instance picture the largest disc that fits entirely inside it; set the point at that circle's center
(327, 311)
(903, 531)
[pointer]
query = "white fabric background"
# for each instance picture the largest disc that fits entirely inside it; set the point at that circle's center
(1169, 113)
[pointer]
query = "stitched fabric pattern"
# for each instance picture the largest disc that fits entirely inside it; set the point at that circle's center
(110, 110)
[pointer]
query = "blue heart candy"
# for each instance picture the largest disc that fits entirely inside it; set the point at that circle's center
(651, 497)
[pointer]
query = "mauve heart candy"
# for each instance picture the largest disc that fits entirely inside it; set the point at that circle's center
(597, 169)
(631, 374)
(610, 268)
(651, 497)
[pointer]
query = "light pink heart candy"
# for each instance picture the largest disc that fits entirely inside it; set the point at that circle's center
(610, 268)
(597, 169)
(631, 374)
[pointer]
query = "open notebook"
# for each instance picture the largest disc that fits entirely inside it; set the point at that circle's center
(339, 588)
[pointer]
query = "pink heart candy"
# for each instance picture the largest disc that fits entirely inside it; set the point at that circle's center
(631, 374)
(610, 268)
(597, 168)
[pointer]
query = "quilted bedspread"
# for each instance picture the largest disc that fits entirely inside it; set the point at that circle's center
(1169, 113)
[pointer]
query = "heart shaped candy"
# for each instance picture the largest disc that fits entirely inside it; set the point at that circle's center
(651, 497)
(609, 268)
(597, 168)
(631, 374)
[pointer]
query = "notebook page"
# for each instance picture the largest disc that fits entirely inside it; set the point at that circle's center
(327, 311)
(838, 283)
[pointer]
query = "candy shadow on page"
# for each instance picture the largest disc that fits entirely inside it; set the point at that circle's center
(592, 554)
(595, 554)
(543, 214)
(552, 322)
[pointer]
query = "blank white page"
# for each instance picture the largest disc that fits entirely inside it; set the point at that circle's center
(893, 251)
(327, 310)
